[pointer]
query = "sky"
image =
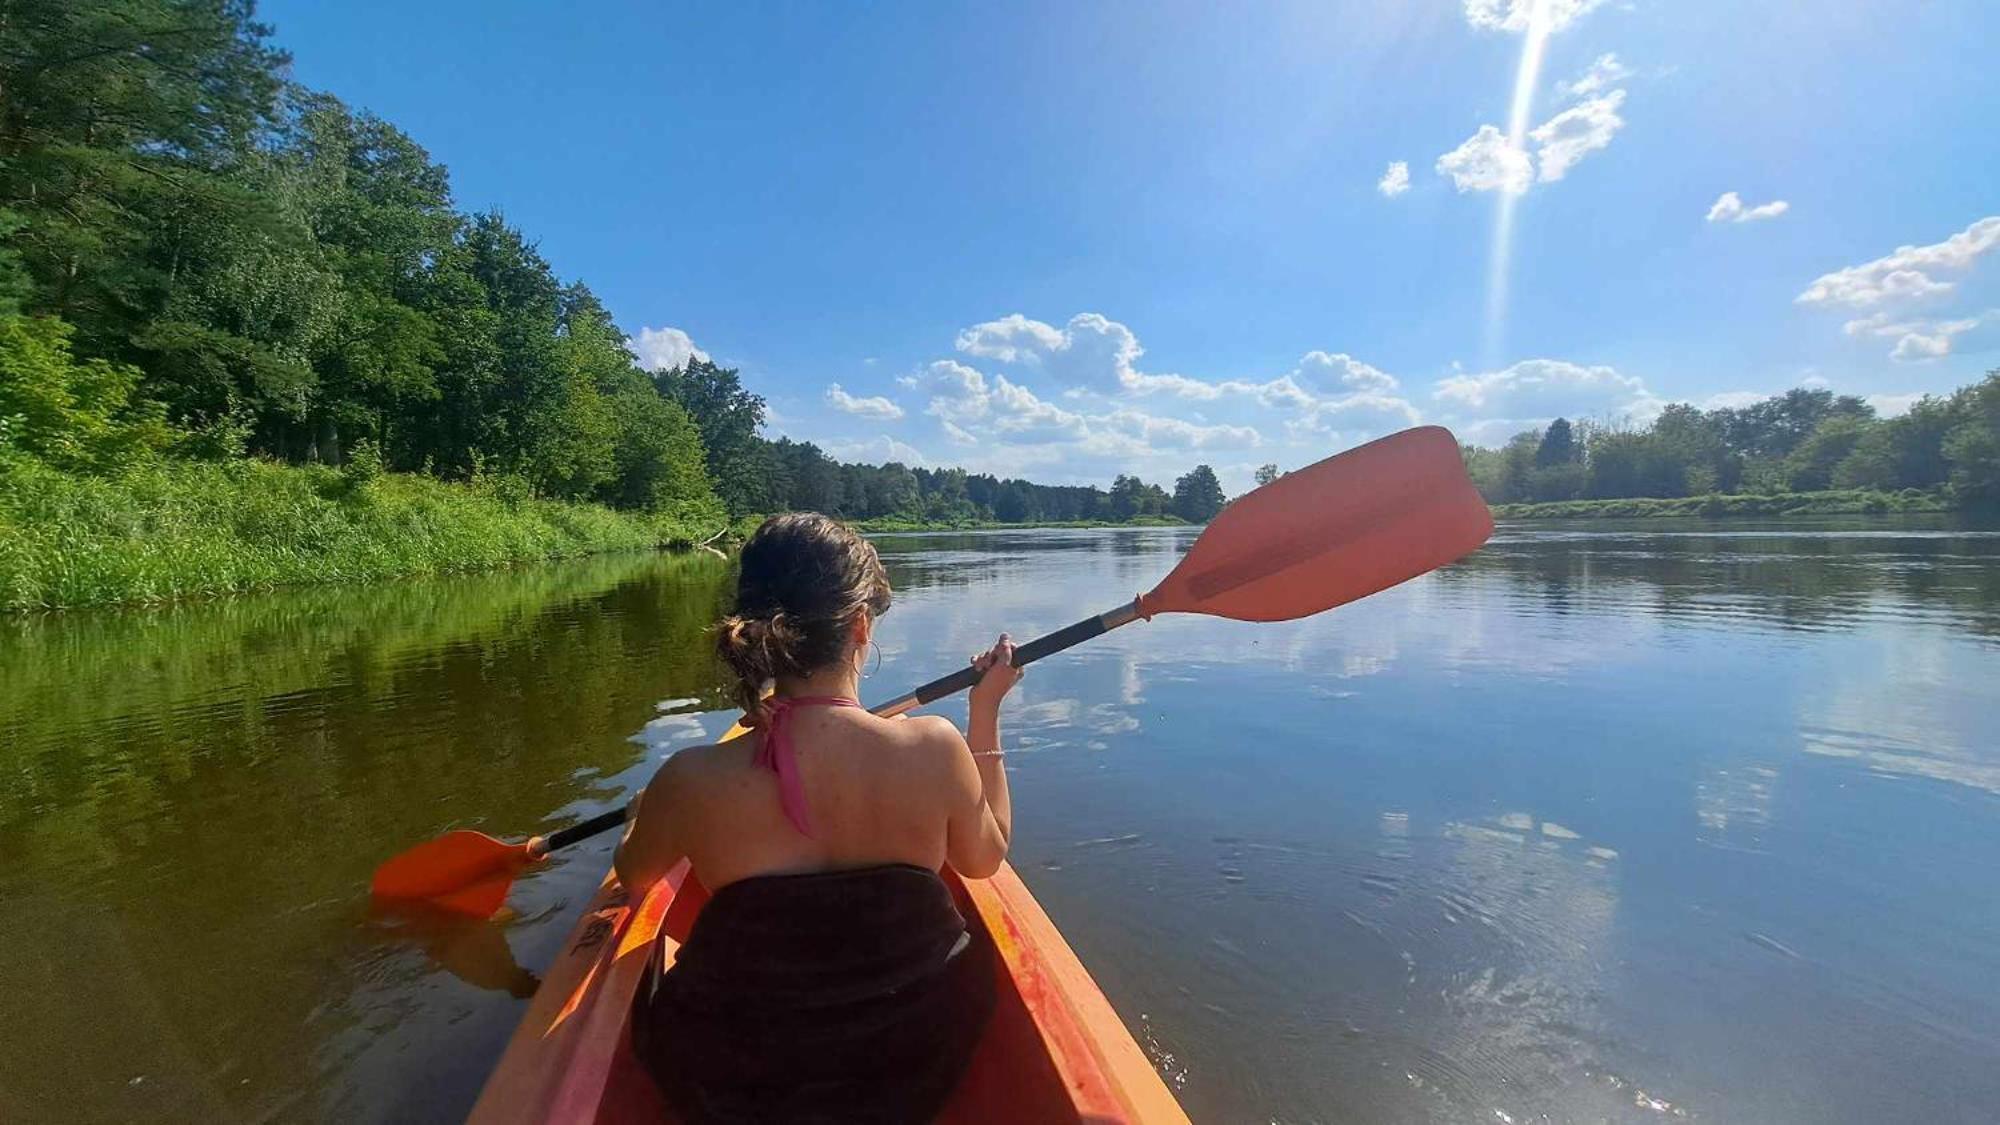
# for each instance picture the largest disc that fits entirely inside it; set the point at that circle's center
(1065, 241)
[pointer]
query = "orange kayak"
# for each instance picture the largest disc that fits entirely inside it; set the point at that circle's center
(1053, 1051)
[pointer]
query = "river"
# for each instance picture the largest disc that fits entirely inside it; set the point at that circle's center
(1647, 822)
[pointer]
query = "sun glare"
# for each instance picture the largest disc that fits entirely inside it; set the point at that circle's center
(1526, 76)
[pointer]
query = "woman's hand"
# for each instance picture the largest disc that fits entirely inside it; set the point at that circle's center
(997, 675)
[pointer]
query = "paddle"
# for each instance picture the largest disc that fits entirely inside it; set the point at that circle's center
(1335, 531)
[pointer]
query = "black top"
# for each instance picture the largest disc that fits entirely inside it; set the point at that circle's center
(836, 996)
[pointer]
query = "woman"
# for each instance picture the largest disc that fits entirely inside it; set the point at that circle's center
(830, 976)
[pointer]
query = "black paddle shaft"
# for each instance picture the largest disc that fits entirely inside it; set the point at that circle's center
(1024, 655)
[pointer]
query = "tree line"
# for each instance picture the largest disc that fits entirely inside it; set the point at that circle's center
(1805, 440)
(755, 474)
(203, 259)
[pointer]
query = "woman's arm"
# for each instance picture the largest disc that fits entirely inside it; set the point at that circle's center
(982, 824)
(649, 850)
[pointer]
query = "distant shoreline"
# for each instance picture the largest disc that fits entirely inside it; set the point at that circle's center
(1838, 502)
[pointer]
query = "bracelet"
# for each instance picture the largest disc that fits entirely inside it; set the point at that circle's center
(989, 753)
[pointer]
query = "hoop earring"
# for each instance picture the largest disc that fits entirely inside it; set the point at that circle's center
(878, 659)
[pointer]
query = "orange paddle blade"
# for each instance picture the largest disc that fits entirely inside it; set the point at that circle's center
(464, 872)
(1341, 529)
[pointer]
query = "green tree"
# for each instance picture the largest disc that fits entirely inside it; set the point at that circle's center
(728, 417)
(1198, 495)
(1266, 474)
(1558, 446)
(1811, 466)
(1972, 447)
(1127, 497)
(78, 415)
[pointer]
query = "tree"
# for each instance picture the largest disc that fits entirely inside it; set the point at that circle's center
(1266, 474)
(78, 415)
(1972, 446)
(1811, 466)
(1558, 446)
(1198, 495)
(728, 417)
(1127, 497)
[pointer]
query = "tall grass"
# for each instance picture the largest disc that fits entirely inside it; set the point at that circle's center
(166, 529)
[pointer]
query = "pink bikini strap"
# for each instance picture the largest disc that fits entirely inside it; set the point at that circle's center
(775, 752)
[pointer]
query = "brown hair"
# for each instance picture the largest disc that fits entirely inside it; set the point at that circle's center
(803, 581)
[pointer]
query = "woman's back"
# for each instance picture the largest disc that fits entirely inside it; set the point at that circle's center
(878, 791)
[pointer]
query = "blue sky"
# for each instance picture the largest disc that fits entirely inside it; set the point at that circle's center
(1065, 241)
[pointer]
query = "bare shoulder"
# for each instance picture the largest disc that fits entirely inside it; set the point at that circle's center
(686, 768)
(928, 734)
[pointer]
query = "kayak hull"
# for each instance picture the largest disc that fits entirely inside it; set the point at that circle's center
(1053, 1050)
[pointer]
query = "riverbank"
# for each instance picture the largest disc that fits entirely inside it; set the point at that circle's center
(1832, 503)
(169, 529)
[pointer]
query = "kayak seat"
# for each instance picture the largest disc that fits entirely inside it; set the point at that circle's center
(833, 996)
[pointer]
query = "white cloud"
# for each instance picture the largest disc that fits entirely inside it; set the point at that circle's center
(1396, 180)
(1889, 406)
(1518, 15)
(1365, 414)
(963, 398)
(1487, 161)
(1931, 341)
(1919, 339)
(876, 450)
(1905, 273)
(1091, 352)
(663, 349)
(874, 406)
(1327, 372)
(1602, 74)
(1569, 136)
(1011, 339)
(1536, 390)
(1730, 209)
(1732, 400)
(1174, 433)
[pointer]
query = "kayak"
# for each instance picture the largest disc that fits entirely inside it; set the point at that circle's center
(1053, 1049)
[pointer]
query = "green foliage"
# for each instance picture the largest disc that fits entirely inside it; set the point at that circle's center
(1810, 467)
(76, 415)
(1835, 502)
(1198, 495)
(1266, 474)
(1803, 441)
(169, 529)
(728, 416)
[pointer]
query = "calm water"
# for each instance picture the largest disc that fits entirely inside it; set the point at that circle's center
(1644, 824)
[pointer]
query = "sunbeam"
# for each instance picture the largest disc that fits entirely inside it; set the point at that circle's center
(1526, 76)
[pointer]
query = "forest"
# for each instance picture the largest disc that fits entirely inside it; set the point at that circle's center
(1807, 440)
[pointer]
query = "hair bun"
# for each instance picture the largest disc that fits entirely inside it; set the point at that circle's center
(803, 581)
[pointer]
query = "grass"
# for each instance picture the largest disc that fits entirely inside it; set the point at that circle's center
(1830, 503)
(167, 529)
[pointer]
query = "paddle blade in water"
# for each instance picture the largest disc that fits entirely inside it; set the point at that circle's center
(1341, 529)
(464, 872)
